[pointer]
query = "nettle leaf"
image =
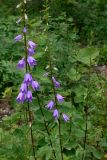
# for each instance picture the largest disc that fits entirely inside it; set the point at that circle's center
(45, 151)
(79, 152)
(71, 144)
(74, 75)
(97, 153)
(87, 55)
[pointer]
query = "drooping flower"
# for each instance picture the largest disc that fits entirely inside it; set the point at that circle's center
(28, 79)
(55, 114)
(18, 38)
(65, 117)
(59, 98)
(31, 51)
(56, 83)
(32, 44)
(35, 85)
(50, 105)
(23, 88)
(20, 98)
(31, 61)
(21, 63)
(29, 96)
(24, 30)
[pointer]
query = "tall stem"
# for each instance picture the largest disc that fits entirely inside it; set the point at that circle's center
(49, 136)
(86, 130)
(31, 132)
(51, 72)
(26, 55)
(56, 105)
(60, 140)
(86, 114)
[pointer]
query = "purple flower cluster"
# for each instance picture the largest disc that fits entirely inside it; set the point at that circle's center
(30, 49)
(25, 93)
(60, 99)
(30, 60)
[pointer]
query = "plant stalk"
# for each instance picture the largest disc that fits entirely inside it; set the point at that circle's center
(49, 136)
(86, 113)
(26, 55)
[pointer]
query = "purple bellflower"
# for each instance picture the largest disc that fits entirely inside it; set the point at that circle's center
(23, 88)
(32, 44)
(31, 61)
(50, 105)
(31, 51)
(24, 30)
(18, 38)
(55, 114)
(35, 85)
(65, 117)
(59, 98)
(29, 96)
(21, 64)
(28, 79)
(56, 83)
(20, 98)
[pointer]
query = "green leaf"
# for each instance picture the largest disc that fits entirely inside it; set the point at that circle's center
(97, 154)
(45, 151)
(73, 74)
(87, 55)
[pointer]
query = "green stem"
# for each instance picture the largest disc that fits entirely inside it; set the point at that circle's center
(51, 74)
(86, 113)
(60, 140)
(54, 92)
(26, 55)
(46, 126)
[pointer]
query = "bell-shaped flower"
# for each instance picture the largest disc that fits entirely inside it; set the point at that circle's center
(29, 96)
(35, 85)
(32, 44)
(50, 105)
(65, 117)
(18, 38)
(31, 51)
(55, 114)
(23, 88)
(56, 83)
(28, 78)
(20, 98)
(59, 98)
(31, 61)
(24, 30)
(21, 64)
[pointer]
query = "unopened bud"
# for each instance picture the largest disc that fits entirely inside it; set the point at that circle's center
(19, 5)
